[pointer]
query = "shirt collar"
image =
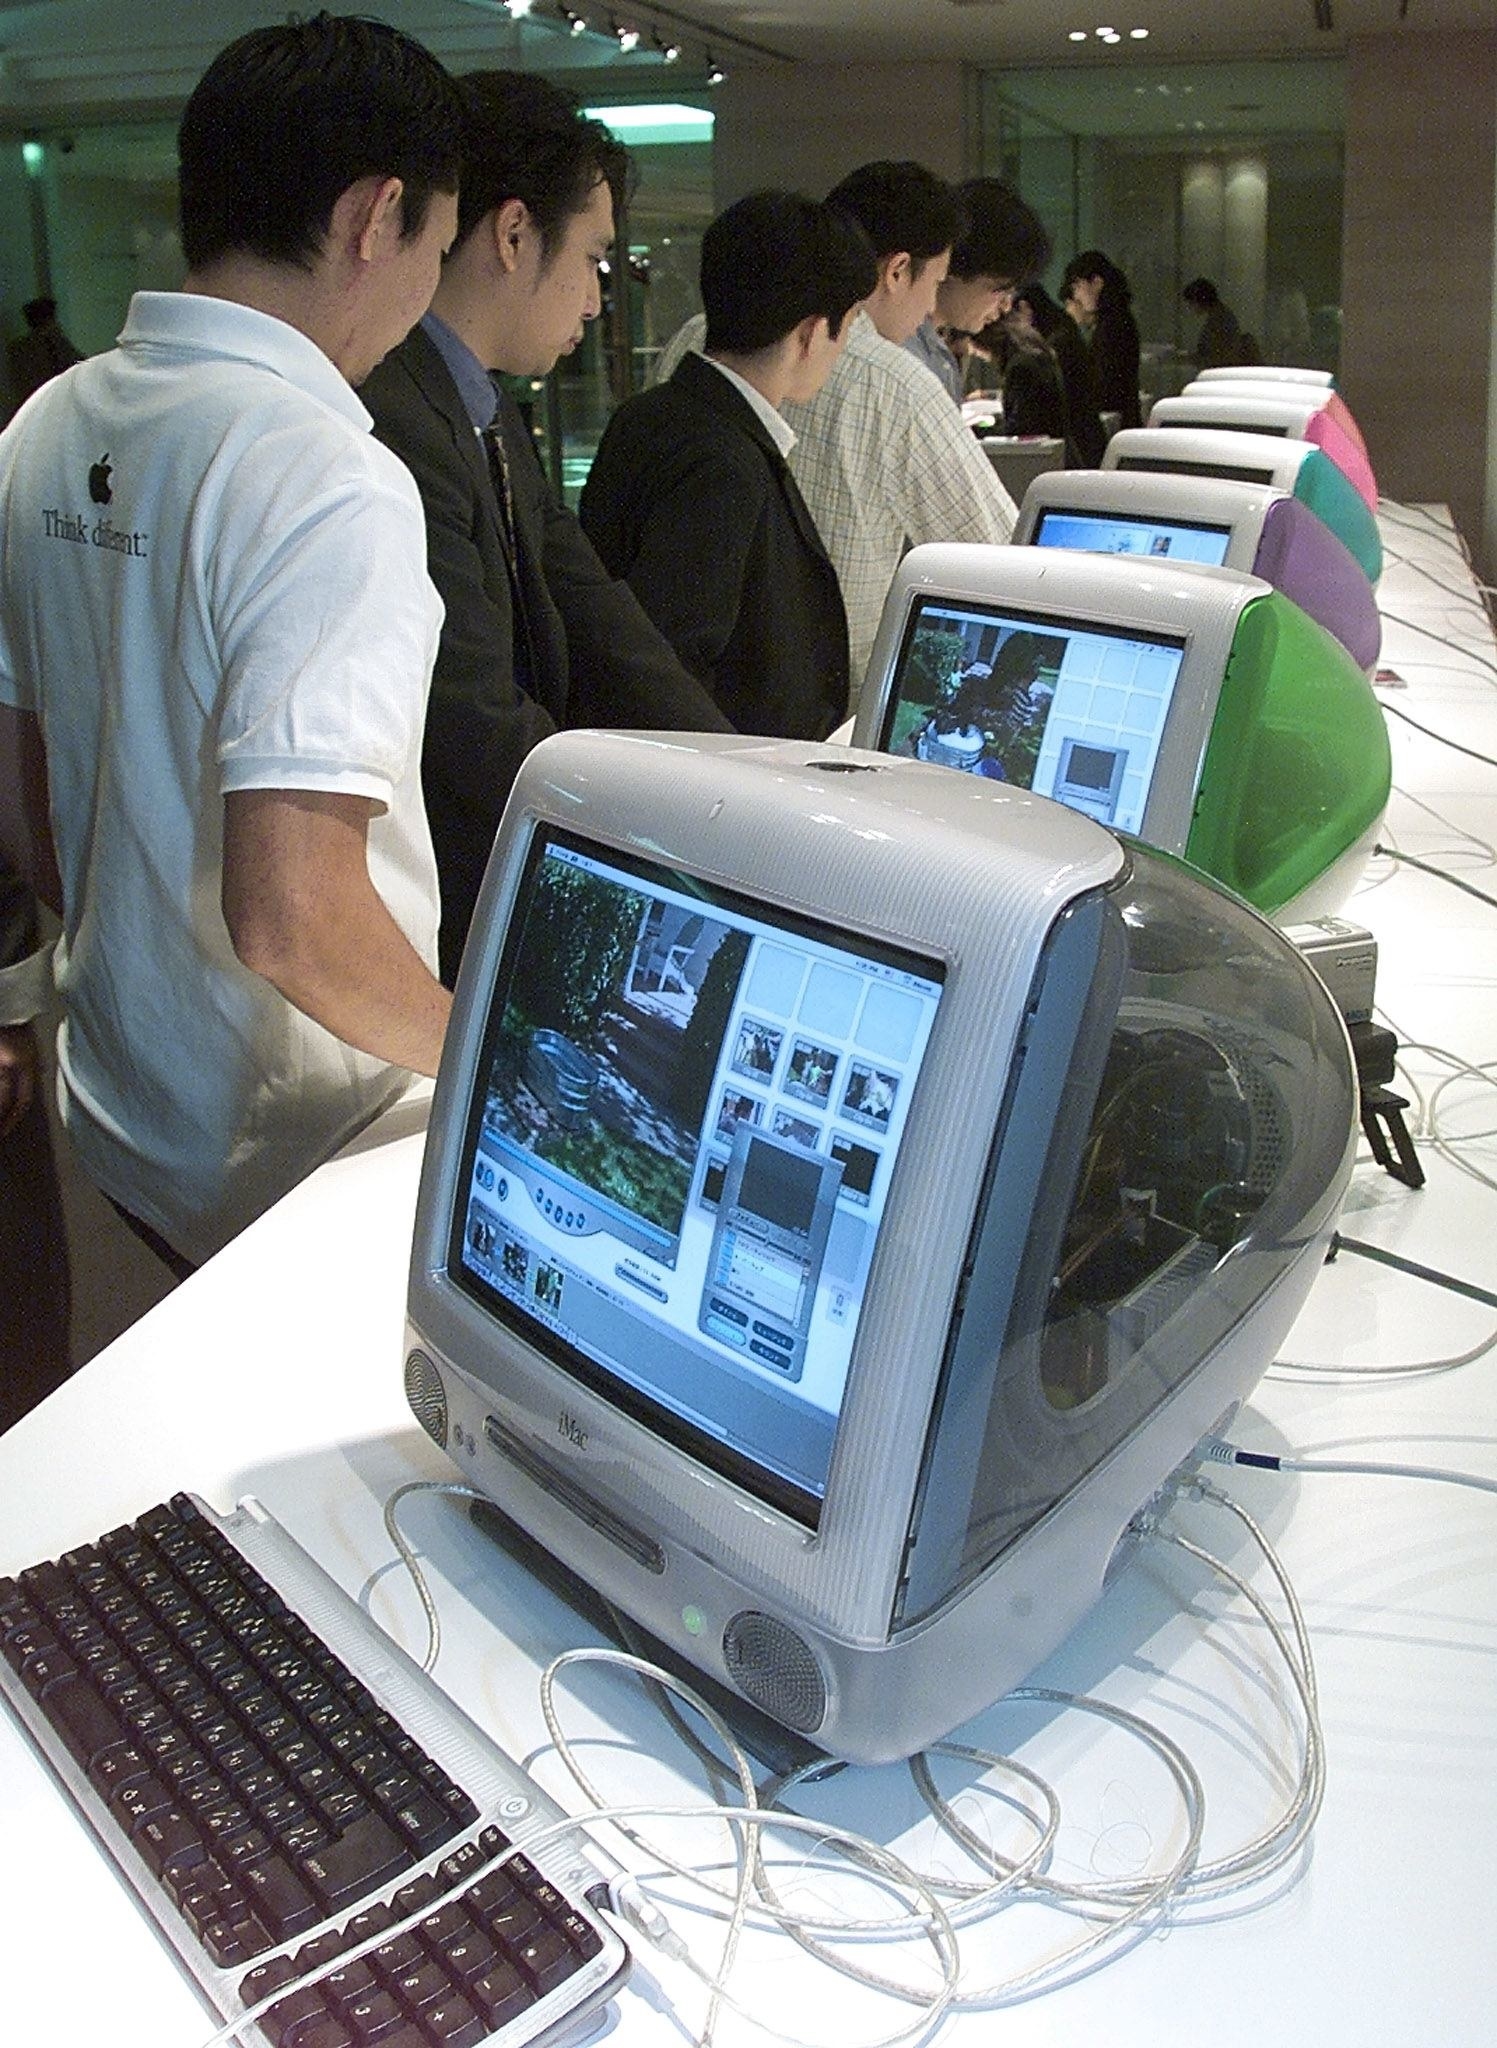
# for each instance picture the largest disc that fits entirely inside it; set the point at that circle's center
(475, 387)
(774, 423)
(203, 325)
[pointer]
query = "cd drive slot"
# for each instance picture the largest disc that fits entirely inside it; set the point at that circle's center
(565, 1489)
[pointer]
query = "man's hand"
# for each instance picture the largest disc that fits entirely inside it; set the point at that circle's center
(302, 911)
(19, 1067)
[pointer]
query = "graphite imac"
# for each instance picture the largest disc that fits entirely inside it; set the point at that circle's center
(1299, 468)
(850, 1192)
(1254, 527)
(1195, 706)
(1254, 409)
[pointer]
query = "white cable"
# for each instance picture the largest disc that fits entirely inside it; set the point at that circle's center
(1276, 1845)
(1119, 1906)
(744, 1898)
(409, 1560)
(1418, 1368)
(1264, 1461)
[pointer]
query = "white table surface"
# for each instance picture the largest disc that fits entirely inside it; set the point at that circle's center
(277, 1371)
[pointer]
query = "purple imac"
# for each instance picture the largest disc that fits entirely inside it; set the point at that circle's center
(1179, 518)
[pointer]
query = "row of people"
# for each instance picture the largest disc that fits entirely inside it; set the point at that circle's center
(224, 600)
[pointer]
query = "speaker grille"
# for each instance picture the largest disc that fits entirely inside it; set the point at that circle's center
(427, 1396)
(776, 1669)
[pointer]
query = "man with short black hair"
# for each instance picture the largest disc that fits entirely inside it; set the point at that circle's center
(537, 635)
(214, 606)
(1003, 243)
(690, 499)
(882, 457)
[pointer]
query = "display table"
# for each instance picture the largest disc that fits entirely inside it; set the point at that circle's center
(277, 1371)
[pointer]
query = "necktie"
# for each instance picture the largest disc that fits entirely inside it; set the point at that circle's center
(523, 651)
(493, 442)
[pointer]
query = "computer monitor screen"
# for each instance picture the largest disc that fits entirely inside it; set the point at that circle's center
(1115, 533)
(1233, 472)
(1073, 711)
(686, 1113)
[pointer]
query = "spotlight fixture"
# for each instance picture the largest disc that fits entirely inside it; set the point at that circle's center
(518, 8)
(715, 72)
(628, 38)
(576, 26)
(669, 52)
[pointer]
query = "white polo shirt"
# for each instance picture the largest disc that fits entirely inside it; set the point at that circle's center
(212, 578)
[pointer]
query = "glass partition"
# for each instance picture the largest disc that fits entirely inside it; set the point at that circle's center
(1230, 171)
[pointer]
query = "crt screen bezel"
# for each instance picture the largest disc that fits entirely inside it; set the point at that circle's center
(767, 1487)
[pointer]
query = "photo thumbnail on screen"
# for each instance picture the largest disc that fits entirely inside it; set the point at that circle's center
(608, 1044)
(974, 692)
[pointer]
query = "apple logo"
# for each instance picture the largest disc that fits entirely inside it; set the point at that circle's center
(98, 481)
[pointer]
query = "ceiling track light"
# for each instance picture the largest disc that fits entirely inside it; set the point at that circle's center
(669, 52)
(715, 72)
(626, 37)
(576, 24)
(518, 9)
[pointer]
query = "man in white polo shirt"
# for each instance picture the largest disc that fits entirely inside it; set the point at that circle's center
(216, 636)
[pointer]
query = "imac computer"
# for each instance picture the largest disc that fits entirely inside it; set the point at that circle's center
(1266, 373)
(1297, 467)
(1197, 707)
(1294, 418)
(1249, 384)
(850, 1192)
(1254, 527)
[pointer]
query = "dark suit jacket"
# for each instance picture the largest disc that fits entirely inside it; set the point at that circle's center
(691, 501)
(591, 657)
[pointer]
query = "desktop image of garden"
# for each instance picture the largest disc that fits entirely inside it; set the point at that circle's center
(613, 1021)
(977, 697)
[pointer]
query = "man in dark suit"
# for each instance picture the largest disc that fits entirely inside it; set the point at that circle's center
(690, 497)
(537, 634)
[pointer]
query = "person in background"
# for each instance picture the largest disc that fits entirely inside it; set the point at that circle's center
(42, 352)
(690, 497)
(1003, 242)
(1084, 435)
(1216, 343)
(1100, 300)
(537, 635)
(1028, 374)
(227, 813)
(882, 457)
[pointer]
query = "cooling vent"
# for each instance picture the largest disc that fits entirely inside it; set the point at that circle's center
(427, 1396)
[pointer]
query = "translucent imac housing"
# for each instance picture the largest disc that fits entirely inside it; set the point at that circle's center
(1257, 528)
(851, 1190)
(1266, 373)
(1252, 384)
(1293, 465)
(1195, 706)
(1257, 410)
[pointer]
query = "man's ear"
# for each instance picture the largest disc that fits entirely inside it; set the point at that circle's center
(369, 215)
(807, 334)
(895, 271)
(510, 223)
